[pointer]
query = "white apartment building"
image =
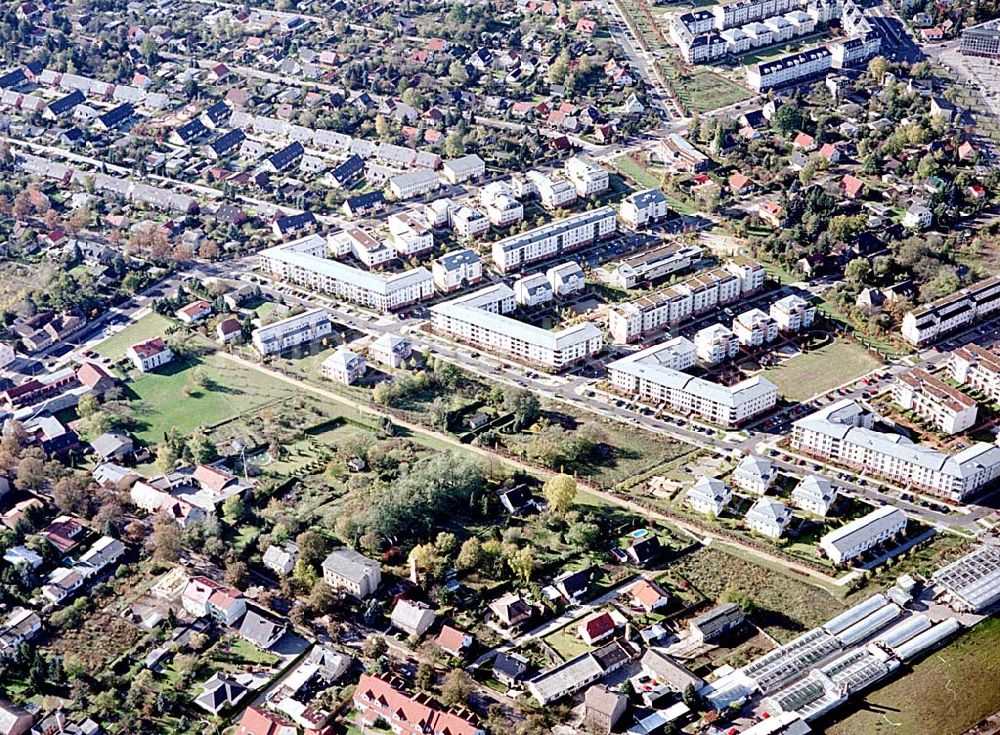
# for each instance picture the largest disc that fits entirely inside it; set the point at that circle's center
(150, 354)
(630, 322)
(792, 313)
(552, 192)
(588, 177)
(295, 330)
(555, 238)
(754, 328)
(456, 270)
(533, 290)
(438, 212)
(716, 344)
(842, 433)
(344, 366)
(855, 538)
(927, 323)
(949, 410)
(646, 375)
(754, 474)
(469, 223)
(566, 278)
(814, 494)
(751, 274)
(709, 496)
(373, 253)
(345, 569)
(789, 69)
(978, 368)
(479, 320)
(502, 207)
(643, 207)
(391, 350)
(465, 168)
(304, 262)
(413, 184)
(662, 261)
(410, 234)
(768, 517)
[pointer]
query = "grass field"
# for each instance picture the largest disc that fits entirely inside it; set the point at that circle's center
(171, 398)
(637, 173)
(785, 606)
(566, 642)
(805, 375)
(151, 325)
(701, 89)
(946, 693)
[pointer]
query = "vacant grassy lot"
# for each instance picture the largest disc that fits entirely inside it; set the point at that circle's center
(805, 375)
(636, 172)
(947, 692)
(174, 396)
(786, 606)
(567, 643)
(700, 88)
(151, 325)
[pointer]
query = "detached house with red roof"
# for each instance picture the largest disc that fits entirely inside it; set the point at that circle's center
(194, 312)
(648, 596)
(150, 354)
(804, 141)
(203, 596)
(830, 152)
(739, 183)
(852, 186)
(454, 641)
(596, 628)
(257, 721)
(379, 702)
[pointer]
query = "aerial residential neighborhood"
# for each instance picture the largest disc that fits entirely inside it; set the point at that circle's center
(507, 368)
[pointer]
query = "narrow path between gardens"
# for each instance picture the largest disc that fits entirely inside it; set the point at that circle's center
(699, 534)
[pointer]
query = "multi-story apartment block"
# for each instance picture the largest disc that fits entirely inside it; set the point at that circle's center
(645, 375)
(566, 278)
(457, 270)
(842, 433)
(552, 192)
(469, 223)
(792, 313)
(295, 330)
(344, 366)
(391, 350)
(653, 264)
(754, 328)
(643, 208)
(951, 411)
(410, 234)
(533, 290)
(709, 496)
(633, 320)
(413, 184)
(928, 322)
(716, 344)
(978, 368)
(793, 68)
(479, 320)
(304, 262)
(555, 238)
(354, 241)
(588, 177)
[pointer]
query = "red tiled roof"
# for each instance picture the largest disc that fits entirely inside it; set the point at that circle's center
(212, 478)
(599, 625)
(803, 140)
(412, 717)
(451, 639)
(150, 347)
(261, 722)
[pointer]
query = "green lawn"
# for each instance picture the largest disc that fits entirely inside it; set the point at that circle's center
(700, 88)
(170, 398)
(805, 375)
(566, 642)
(639, 174)
(947, 692)
(151, 325)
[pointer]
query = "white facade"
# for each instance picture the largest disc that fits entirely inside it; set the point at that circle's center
(345, 569)
(949, 410)
(469, 223)
(709, 496)
(391, 350)
(533, 290)
(854, 539)
(354, 241)
(343, 366)
(754, 474)
(644, 375)
(552, 192)
(792, 313)
(410, 234)
(643, 207)
(754, 328)
(502, 207)
(304, 262)
(566, 279)
(588, 177)
(842, 433)
(768, 517)
(456, 270)
(950, 313)
(466, 168)
(553, 239)
(149, 355)
(978, 368)
(295, 330)
(479, 320)
(716, 344)
(413, 184)
(815, 495)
